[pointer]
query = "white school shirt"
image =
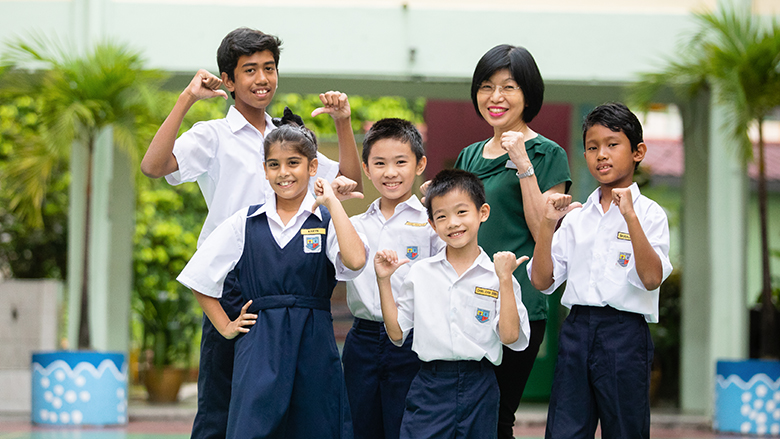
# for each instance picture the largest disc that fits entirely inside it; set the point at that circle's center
(456, 317)
(408, 233)
(225, 156)
(211, 263)
(592, 249)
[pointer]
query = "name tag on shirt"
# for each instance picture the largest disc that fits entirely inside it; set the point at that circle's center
(510, 164)
(624, 236)
(319, 231)
(409, 223)
(486, 292)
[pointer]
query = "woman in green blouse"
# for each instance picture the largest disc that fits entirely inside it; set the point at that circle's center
(518, 167)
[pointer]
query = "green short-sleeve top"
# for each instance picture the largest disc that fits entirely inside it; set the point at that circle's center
(506, 229)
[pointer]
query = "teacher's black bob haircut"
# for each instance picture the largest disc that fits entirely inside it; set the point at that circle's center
(523, 69)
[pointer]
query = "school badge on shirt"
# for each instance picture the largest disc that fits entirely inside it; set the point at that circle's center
(412, 252)
(312, 240)
(483, 315)
(623, 258)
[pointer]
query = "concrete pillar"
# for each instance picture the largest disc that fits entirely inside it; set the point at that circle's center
(714, 314)
(110, 247)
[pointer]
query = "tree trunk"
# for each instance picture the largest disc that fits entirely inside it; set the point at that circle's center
(84, 338)
(769, 345)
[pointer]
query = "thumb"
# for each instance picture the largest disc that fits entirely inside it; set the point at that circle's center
(319, 111)
(222, 93)
(574, 205)
(522, 259)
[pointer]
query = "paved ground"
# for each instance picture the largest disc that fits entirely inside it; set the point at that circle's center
(173, 421)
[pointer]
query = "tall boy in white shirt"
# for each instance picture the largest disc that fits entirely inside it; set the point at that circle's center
(225, 157)
(462, 308)
(377, 372)
(614, 252)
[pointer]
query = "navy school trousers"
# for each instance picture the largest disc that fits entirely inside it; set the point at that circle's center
(603, 373)
(378, 375)
(452, 399)
(215, 370)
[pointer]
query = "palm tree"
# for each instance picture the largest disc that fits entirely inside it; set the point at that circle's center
(81, 96)
(735, 54)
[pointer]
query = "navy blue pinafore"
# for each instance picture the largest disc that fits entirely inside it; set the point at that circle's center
(287, 376)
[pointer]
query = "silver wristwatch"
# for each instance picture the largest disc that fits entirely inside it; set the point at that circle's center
(527, 173)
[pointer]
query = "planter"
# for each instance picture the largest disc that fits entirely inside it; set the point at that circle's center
(747, 397)
(163, 384)
(79, 388)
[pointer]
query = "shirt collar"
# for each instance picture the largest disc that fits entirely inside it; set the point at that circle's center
(236, 120)
(269, 208)
(594, 197)
(483, 260)
(413, 202)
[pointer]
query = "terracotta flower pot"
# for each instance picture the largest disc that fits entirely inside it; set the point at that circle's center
(162, 384)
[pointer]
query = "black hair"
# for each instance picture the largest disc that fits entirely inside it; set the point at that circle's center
(618, 118)
(291, 133)
(244, 41)
(397, 129)
(524, 71)
(449, 180)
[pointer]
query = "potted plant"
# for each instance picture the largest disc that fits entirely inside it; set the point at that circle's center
(735, 54)
(105, 90)
(168, 315)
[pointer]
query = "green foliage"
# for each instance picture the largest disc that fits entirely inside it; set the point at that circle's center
(364, 111)
(168, 222)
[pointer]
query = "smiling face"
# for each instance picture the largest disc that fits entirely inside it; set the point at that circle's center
(288, 171)
(392, 168)
(501, 101)
(456, 218)
(610, 158)
(255, 81)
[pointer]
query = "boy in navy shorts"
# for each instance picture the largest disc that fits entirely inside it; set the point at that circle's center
(614, 252)
(225, 156)
(377, 372)
(462, 308)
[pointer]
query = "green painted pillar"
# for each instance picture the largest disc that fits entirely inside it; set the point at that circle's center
(714, 312)
(110, 246)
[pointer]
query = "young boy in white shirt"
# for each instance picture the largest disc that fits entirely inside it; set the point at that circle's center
(614, 252)
(462, 308)
(377, 372)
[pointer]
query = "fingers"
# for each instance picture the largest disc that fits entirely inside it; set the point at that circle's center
(424, 187)
(334, 103)
(511, 138)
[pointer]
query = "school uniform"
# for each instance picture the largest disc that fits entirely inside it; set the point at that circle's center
(288, 381)
(225, 156)
(605, 349)
(378, 373)
(455, 320)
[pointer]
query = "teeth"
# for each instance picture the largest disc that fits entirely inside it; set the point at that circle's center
(496, 110)
(286, 184)
(392, 185)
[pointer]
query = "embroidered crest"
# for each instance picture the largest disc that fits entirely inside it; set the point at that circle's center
(412, 252)
(486, 292)
(623, 259)
(312, 244)
(483, 315)
(624, 236)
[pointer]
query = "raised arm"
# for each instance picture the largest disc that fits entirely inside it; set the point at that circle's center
(385, 264)
(352, 249)
(555, 207)
(159, 159)
(336, 104)
(509, 320)
(229, 329)
(533, 199)
(647, 262)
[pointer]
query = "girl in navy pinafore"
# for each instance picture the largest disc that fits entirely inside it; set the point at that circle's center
(287, 376)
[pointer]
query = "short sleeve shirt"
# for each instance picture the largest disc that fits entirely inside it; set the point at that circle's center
(506, 229)
(225, 156)
(408, 233)
(456, 317)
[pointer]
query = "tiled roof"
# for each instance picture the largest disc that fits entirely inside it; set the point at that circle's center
(665, 158)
